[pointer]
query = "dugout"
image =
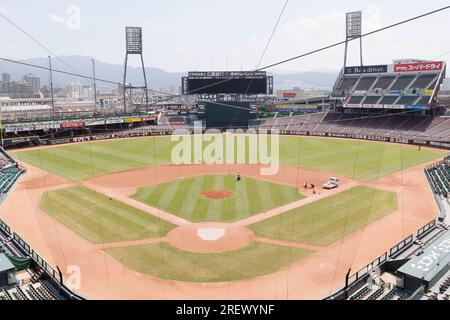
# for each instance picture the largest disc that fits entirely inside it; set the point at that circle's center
(7, 270)
(428, 266)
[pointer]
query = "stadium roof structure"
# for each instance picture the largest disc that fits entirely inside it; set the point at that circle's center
(5, 264)
(431, 262)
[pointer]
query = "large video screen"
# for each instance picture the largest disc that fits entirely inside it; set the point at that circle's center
(228, 114)
(217, 85)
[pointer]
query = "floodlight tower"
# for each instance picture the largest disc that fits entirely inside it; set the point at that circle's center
(133, 40)
(353, 31)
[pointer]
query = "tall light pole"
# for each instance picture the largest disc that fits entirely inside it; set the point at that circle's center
(133, 41)
(51, 86)
(95, 87)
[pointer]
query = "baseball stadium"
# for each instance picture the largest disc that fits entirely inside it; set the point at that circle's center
(340, 196)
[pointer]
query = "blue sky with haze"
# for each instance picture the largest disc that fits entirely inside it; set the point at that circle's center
(220, 35)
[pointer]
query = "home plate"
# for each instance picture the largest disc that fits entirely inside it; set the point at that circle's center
(210, 234)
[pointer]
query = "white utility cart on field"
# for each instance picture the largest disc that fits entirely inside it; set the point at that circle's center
(332, 183)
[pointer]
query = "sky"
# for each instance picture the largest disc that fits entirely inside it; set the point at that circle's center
(183, 35)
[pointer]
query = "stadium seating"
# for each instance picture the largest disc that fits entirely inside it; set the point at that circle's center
(424, 100)
(439, 175)
(346, 84)
(365, 83)
(378, 293)
(401, 127)
(388, 100)
(361, 293)
(371, 99)
(443, 287)
(8, 177)
(390, 295)
(35, 291)
(407, 100)
(355, 99)
(384, 82)
(402, 82)
(423, 81)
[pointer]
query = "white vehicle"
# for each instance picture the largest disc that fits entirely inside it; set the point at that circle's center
(332, 183)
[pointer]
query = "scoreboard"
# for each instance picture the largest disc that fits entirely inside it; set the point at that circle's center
(227, 82)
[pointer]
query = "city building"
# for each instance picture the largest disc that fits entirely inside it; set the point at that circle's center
(74, 90)
(20, 89)
(6, 77)
(34, 81)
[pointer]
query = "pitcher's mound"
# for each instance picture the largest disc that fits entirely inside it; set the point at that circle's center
(217, 194)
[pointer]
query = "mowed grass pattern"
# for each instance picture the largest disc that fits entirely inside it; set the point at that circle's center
(328, 220)
(357, 159)
(83, 161)
(98, 219)
(184, 198)
(360, 160)
(167, 262)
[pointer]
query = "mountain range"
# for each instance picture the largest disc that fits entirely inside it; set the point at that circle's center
(157, 78)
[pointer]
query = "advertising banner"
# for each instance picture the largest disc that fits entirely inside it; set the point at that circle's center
(394, 106)
(72, 125)
(16, 141)
(289, 94)
(95, 122)
(416, 107)
(18, 129)
(427, 92)
(113, 121)
(382, 68)
(419, 66)
(149, 119)
(373, 106)
(130, 120)
(352, 105)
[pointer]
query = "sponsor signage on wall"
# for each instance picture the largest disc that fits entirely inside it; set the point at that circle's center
(416, 107)
(419, 66)
(16, 141)
(394, 106)
(149, 119)
(382, 68)
(289, 94)
(373, 106)
(95, 122)
(113, 121)
(72, 125)
(295, 107)
(352, 105)
(18, 129)
(130, 120)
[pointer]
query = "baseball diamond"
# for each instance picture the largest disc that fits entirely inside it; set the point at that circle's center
(295, 173)
(106, 198)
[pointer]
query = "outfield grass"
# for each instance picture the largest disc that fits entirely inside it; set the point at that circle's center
(184, 198)
(164, 261)
(98, 219)
(328, 220)
(360, 160)
(83, 161)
